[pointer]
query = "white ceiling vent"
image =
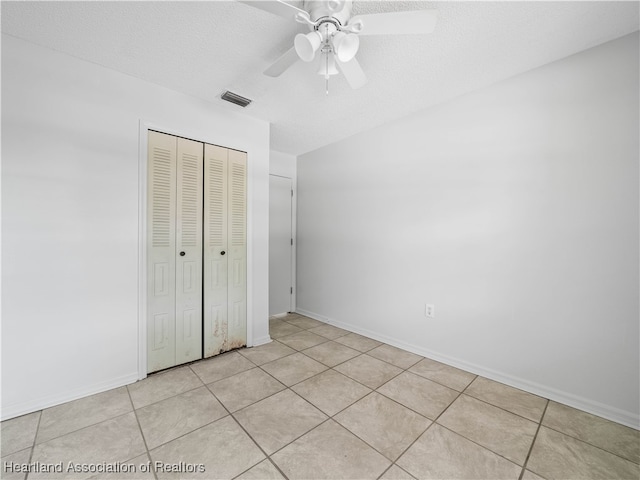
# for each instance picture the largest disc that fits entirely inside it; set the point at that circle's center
(235, 98)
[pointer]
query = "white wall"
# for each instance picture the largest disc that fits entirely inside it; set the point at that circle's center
(70, 148)
(282, 164)
(514, 210)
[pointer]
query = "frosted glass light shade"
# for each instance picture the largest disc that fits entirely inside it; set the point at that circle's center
(328, 65)
(307, 45)
(345, 45)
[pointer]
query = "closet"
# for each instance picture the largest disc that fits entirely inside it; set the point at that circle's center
(196, 250)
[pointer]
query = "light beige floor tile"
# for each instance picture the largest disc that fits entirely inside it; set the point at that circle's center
(610, 436)
(420, 394)
(245, 388)
(282, 329)
(440, 453)
(330, 452)
(265, 470)
(384, 424)
(273, 321)
(305, 322)
(279, 419)
(221, 366)
(302, 340)
(18, 433)
(329, 331)
(444, 374)
(114, 440)
(527, 475)
(395, 356)
(11, 465)
(331, 391)
(163, 385)
(516, 401)
(72, 416)
(171, 418)
(139, 468)
(289, 316)
(555, 455)
(266, 353)
(501, 432)
(294, 368)
(331, 353)
(222, 448)
(368, 370)
(396, 473)
(358, 342)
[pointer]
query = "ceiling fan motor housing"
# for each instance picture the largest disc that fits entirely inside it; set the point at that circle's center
(339, 10)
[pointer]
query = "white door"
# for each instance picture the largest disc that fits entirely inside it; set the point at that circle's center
(189, 251)
(225, 250)
(196, 193)
(161, 251)
(280, 245)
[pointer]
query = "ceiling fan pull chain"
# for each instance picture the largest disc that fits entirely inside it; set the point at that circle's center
(327, 75)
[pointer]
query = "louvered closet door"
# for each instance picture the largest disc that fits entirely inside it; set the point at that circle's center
(215, 249)
(174, 261)
(189, 251)
(225, 322)
(161, 251)
(237, 241)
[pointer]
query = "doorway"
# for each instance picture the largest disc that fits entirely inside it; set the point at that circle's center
(280, 245)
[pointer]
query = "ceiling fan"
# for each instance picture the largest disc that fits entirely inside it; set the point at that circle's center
(335, 34)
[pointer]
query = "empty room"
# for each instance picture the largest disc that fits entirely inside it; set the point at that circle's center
(333, 239)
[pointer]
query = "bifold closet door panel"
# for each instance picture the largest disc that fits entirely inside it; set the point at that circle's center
(189, 202)
(237, 243)
(215, 249)
(161, 248)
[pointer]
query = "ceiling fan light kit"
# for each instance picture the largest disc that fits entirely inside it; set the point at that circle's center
(335, 33)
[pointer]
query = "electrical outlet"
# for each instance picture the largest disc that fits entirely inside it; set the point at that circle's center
(429, 310)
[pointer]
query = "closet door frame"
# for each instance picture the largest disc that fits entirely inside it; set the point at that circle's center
(143, 139)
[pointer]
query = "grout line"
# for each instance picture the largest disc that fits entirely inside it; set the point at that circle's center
(433, 422)
(535, 437)
(504, 409)
(230, 414)
(78, 429)
(159, 374)
(587, 443)
(144, 440)
(33, 445)
(375, 448)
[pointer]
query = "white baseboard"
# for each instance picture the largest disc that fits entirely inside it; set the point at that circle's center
(605, 411)
(15, 410)
(313, 315)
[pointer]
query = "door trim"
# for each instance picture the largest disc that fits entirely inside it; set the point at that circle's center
(292, 300)
(143, 134)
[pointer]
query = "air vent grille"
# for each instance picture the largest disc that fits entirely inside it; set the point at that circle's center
(235, 98)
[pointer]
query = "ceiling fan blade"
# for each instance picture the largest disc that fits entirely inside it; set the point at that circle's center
(277, 7)
(353, 73)
(397, 23)
(278, 67)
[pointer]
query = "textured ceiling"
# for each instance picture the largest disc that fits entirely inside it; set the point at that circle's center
(203, 48)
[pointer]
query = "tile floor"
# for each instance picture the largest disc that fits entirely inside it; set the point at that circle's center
(318, 403)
